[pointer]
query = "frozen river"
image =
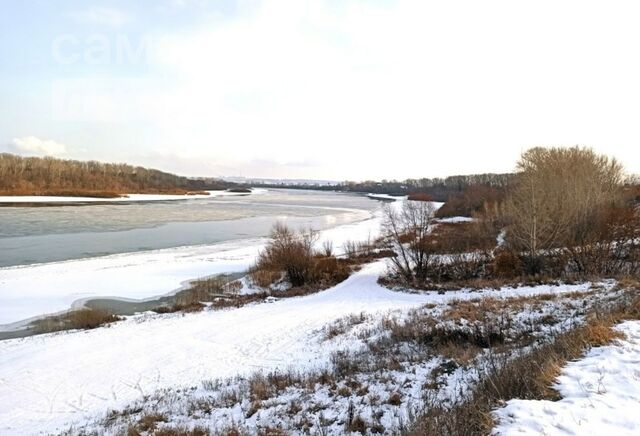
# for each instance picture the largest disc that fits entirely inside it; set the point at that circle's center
(48, 233)
(56, 257)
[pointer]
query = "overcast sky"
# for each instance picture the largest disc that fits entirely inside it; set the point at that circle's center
(335, 89)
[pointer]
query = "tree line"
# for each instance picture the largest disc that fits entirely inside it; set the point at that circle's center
(568, 213)
(51, 176)
(439, 189)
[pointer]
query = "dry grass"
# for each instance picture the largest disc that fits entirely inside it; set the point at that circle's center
(210, 290)
(149, 422)
(528, 375)
(477, 310)
(462, 237)
(182, 431)
(494, 360)
(82, 319)
(343, 325)
(264, 278)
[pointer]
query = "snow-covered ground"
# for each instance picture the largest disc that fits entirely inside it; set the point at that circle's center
(387, 197)
(30, 291)
(456, 220)
(600, 395)
(126, 198)
(54, 378)
(74, 377)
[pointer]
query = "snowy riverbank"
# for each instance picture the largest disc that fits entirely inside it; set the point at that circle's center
(125, 198)
(31, 291)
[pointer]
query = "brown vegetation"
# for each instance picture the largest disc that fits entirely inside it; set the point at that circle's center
(289, 252)
(558, 195)
(58, 177)
(290, 257)
(464, 237)
(220, 291)
(84, 319)
(500, 358)
(567, 215)
(529, 375)
(419, 196)
(473, 200)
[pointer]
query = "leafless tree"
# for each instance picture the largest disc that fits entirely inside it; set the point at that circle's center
(39, 176)
(406, 230)
(556, 197)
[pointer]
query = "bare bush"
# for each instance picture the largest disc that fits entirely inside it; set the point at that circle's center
(291, 252)
(359, 249)
(327, 248)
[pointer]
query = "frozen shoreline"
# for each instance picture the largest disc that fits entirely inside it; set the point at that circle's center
(128, 198)
(60, 378)
(31, 291)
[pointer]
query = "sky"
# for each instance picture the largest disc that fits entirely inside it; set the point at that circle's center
(333, 90)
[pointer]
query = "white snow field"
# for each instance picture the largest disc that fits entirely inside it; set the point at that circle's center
(30, 291)
(27, 292)
(51, 380)
(601, 395)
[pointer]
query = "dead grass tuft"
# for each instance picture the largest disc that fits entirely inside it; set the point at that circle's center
(182, 431)
(83, 319)
(528, 375)
(149, 421)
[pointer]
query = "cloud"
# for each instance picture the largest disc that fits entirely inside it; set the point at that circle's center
(375, 89)
(420, 83)
(102, 15)
(172, 5)
(35, 146)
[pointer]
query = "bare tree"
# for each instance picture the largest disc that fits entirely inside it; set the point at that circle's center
(406, 229)
(556, 197)
(38, 176)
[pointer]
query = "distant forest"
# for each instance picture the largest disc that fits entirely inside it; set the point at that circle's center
(49, 176)
(439, 189)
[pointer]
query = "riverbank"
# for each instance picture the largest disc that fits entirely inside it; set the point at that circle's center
(24, 200)
(29, 292)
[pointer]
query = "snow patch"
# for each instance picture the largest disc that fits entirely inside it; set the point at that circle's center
(601, 394)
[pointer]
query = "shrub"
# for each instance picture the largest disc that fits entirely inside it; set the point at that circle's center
(506, 265)
(329, 270)
(290, 252)
(419, 196)
(327, 248)
(462, 237)
(474, 199)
